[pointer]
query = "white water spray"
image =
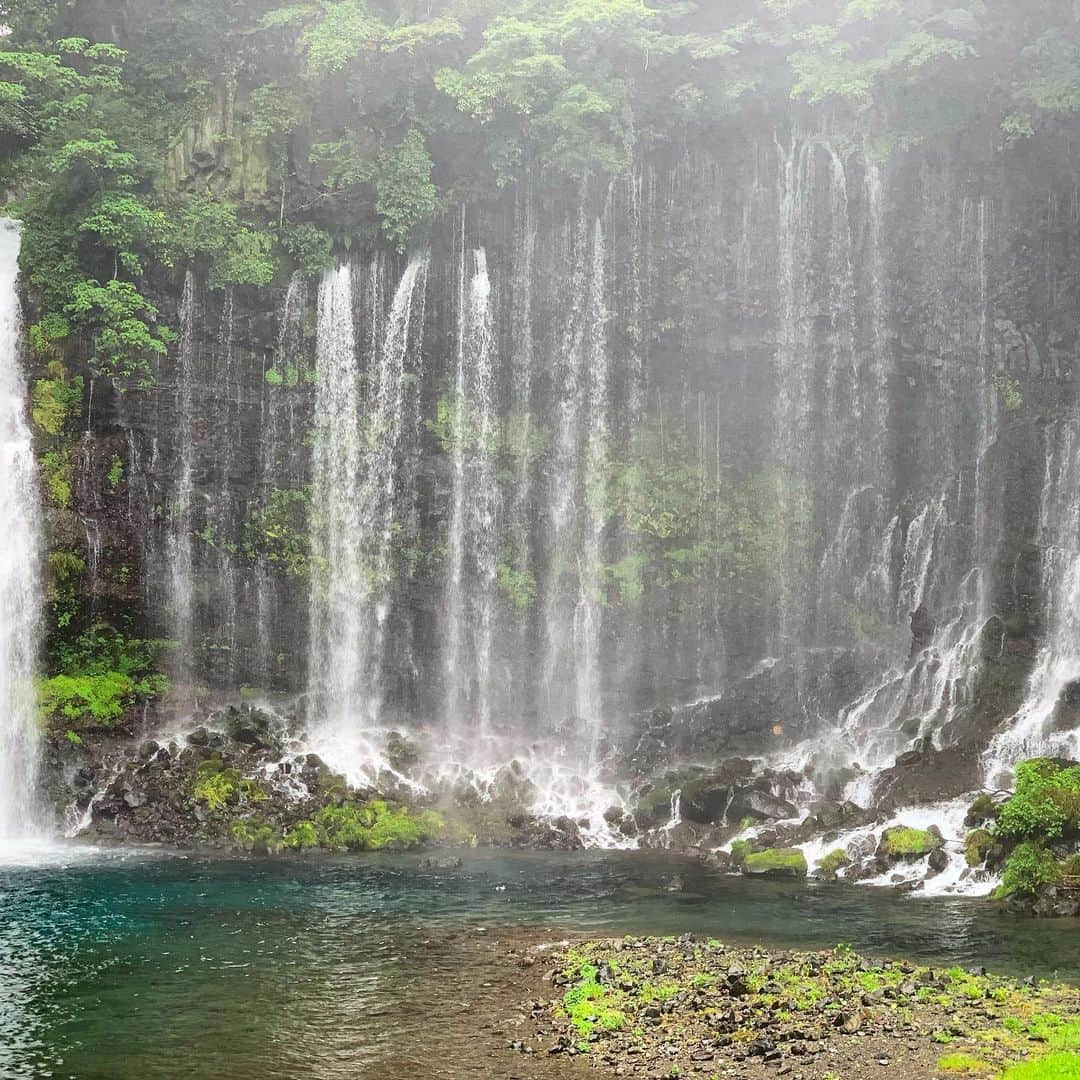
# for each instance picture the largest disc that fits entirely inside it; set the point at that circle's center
(20, 597)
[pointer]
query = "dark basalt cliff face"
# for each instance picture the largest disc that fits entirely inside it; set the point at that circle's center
(802, 355)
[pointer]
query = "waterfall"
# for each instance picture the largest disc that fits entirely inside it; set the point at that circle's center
(181, 569)
(20, 597)
(473, 543)
(794, 380)
(1038, 729)
(589, 611)
(564, 487)
(277, 444)
(354, 475)
(338, 612)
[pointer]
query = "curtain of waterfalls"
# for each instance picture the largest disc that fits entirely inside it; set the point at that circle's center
(20, 597)
(1034, 732)
(354, 485)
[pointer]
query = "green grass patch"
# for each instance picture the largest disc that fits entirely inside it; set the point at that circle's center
(590, 1005)
(1052, 1067)
(964, 1065)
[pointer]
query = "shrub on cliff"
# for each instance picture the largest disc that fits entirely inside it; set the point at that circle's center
(1046, 802)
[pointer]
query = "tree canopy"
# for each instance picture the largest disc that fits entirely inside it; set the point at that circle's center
(372, 116)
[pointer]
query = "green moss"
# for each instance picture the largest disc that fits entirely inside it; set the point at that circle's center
(518, 586)
(905, 843)
(976, 844)
(964, 1065)
(56, 401)
(218, 786)
(835, 860)
(1051, 1067)
(589, 1005)
(371, 826)
(115, 473)
(58, 474)
(776, 862)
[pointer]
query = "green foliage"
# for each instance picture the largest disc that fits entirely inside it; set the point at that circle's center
(90, 700)
(210, 233)
(1028, 868)
(1008, 391)
(273, 110)
(65, 568)
(302, 836)
(588, 1004)
(58, 474)
(219, 787)
(278, 532)
(518, 586)
(101, 675)
(371, 826)
(1046, 803)
(406, 200)
(905, 843)
(343, 31)
(46, 334)
(251, 834)
(56, 401)
(740, 850)
(124, 340)
(309, 246)
(115, 474)
(833, 861)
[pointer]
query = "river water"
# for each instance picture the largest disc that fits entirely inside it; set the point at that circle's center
(143, 965)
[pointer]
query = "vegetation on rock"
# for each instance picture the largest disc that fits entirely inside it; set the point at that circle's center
(370, 826)
(902, 842)
(672, 1004)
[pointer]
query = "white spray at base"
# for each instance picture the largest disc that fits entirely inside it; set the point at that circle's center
(20, 592)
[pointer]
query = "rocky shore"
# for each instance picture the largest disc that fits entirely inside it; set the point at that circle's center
(679, 1007)
(243, 778)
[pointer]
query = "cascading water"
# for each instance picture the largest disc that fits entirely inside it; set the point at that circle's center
(1046, 722)
(181, 556)
(589, 612)
(353, 506)
(20, 598)
(473, 541)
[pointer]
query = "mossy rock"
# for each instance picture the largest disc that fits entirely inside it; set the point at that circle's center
(829, 865)
(982, 810)
(977, 844)
(904, 843)
(776, 863)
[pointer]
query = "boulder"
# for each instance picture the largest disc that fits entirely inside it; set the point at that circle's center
(776, 863)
